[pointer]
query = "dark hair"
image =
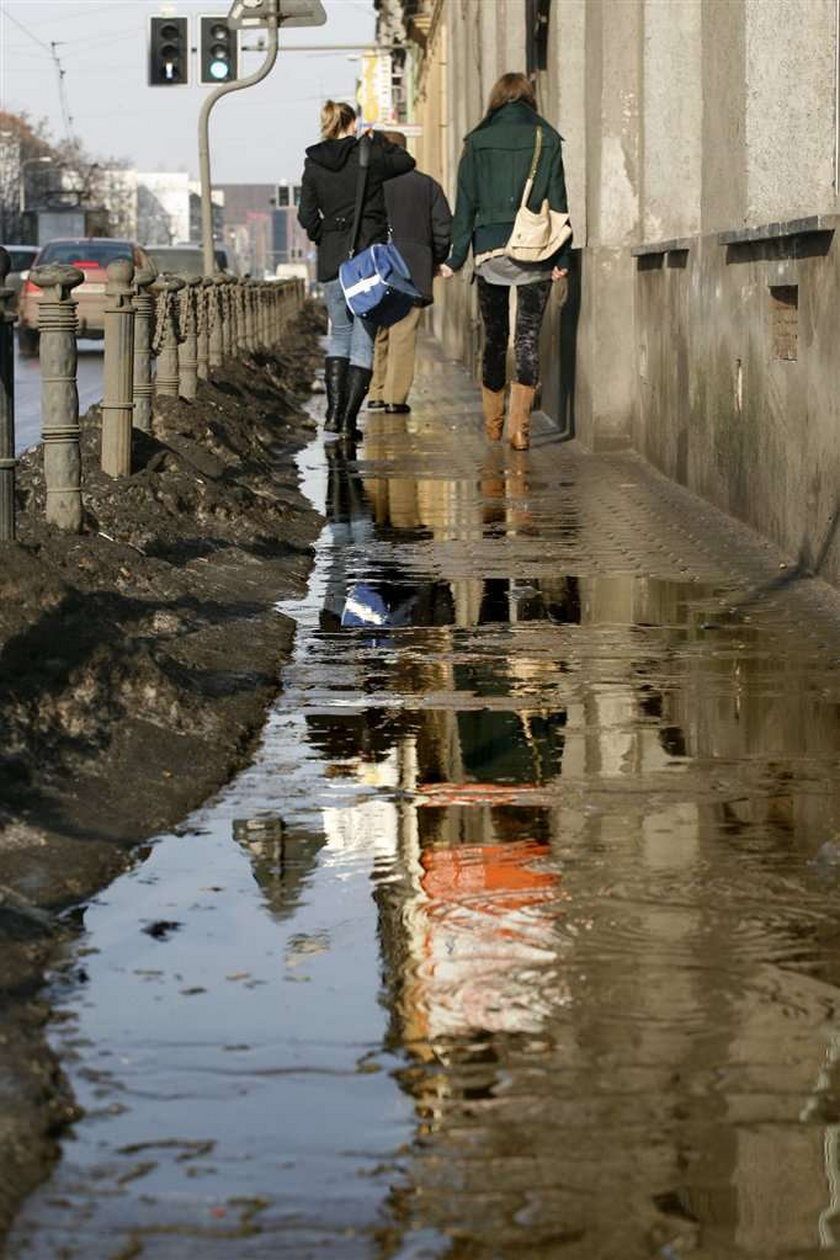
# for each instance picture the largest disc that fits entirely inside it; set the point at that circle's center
(512, 87)
(336, 118)
(396, 137)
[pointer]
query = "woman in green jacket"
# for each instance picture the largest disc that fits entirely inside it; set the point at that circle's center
(491, 179)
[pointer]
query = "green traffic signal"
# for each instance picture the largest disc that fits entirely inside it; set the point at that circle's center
(218, 50)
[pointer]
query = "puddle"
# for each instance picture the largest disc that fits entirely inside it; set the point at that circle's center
(518, 936)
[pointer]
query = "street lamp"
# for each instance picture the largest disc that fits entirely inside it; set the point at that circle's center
(23, 166)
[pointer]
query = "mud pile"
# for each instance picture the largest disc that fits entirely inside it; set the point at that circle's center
(136, 664)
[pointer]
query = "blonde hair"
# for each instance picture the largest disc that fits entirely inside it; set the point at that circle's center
(336, 118)
(512, 87)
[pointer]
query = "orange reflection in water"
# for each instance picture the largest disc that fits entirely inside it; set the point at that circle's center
(483, 930)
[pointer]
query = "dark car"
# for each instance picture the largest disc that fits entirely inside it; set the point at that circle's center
(22, 257)
(90, 254)
(184, 260)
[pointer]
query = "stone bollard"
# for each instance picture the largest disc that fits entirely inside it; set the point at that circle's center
(188, 349)
(235, 321)
(7, 406)
(262, 308)
(249, 339)
(118, 399)
(144, 322)
(228, 316)
(237, 315)
(256, 303)
(256, 297)
(205, 298)
(60, 431)
(167, 335)
(270, 314)
(216, 321)
(271, 318)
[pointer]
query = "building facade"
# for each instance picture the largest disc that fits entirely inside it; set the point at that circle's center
(702, 149)
(261, 227)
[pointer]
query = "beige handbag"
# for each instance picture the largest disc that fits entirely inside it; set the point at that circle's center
(537, 237)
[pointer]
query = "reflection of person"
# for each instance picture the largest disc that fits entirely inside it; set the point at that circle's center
(421, 227)
(327, 204)
(349, 520)
(494, 168)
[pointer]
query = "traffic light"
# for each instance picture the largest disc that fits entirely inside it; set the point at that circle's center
(218, 50)
(169, 51)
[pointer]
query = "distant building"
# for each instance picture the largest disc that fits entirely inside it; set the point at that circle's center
(260, 230)
(154, 207)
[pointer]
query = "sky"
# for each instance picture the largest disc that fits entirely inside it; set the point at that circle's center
(257, 135)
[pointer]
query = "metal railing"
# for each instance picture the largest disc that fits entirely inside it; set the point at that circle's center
(189, 325)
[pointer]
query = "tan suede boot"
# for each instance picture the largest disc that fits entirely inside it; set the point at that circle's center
(521, 402)
(493, 402)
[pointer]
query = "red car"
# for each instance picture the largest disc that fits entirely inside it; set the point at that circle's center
(91, 255)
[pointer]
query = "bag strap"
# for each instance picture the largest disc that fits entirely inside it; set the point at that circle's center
(361, 188)
(535, 161)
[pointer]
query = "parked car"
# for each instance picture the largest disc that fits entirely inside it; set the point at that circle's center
(22, 257)
(91, 255)
(184, 260)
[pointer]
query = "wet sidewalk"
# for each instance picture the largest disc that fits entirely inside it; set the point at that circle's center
(520, 935)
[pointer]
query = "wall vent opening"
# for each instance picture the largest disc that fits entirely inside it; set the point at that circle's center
(784, 320)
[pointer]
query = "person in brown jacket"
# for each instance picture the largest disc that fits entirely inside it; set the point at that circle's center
(421, 228)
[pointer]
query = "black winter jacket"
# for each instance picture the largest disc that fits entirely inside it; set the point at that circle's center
(328, 196)
(421, 225)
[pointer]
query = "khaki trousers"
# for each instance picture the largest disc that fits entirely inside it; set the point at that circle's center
(393, 360)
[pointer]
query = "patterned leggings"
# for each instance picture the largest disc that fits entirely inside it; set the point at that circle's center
(530, 308)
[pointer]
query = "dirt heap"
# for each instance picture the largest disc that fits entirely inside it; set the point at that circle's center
(138, 659)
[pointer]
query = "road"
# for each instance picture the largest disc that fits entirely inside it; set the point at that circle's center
(28, 391)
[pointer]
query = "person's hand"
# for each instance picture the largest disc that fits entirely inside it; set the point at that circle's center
(445, 271)
(559, 273)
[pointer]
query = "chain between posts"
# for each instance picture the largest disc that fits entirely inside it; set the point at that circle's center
(204, 296)
(167, 333)
(216, 337)
(188, 347)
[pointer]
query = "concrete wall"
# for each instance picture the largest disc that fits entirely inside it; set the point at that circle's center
(716, 405)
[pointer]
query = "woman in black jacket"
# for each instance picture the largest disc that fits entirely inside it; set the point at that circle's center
(327, 204)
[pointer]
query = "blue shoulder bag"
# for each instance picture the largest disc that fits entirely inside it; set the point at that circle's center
(376, 283)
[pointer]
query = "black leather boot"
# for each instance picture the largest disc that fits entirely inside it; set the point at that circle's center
(358, 381)
(335, 379)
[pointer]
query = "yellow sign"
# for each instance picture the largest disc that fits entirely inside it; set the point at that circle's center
(374, 95)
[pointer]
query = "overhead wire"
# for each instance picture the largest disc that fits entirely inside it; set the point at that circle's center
(50, 49)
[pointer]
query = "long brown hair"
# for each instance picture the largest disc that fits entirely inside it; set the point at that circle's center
(336, 118)
(512, 87)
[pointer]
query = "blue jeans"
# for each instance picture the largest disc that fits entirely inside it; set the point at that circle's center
(350, 338)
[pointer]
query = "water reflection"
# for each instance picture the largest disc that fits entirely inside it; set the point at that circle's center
(282, 863)
(608, 999)
(537, 868)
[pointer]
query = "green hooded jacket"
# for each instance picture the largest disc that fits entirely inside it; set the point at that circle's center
(491, 179)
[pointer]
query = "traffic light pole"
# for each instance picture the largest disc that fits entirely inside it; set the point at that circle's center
(204, 140)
